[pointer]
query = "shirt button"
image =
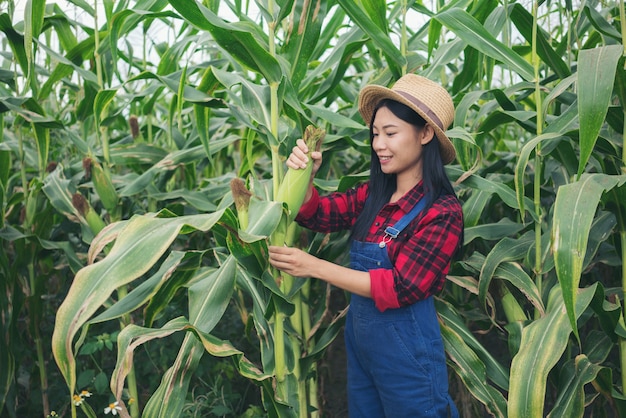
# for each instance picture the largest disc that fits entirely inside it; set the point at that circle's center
(378, 263)
(377, 223)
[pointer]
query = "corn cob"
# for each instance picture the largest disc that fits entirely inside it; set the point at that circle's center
(295, 184)
(104, 186)
(95, 223)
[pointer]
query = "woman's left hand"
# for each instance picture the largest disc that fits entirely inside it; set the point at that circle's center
(292, 261)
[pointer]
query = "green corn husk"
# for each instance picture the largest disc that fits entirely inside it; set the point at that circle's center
(295, 184)
(95, 223)
(104, 186)
(512, 309)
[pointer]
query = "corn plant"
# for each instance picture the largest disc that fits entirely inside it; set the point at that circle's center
(141, 165)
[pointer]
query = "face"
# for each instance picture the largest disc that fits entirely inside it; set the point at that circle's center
(398, 145)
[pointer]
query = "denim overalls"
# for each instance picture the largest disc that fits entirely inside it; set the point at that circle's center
(396, 359)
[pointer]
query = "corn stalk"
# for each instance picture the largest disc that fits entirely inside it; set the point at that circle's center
(292, 191)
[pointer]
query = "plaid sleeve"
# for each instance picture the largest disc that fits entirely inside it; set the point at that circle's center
(334, 212)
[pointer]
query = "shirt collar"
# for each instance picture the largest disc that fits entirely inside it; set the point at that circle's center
(411, 198)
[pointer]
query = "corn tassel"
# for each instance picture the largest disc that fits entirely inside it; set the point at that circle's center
(241, 196)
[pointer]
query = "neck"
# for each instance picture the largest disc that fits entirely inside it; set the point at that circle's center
(407, 182)
(403, 185)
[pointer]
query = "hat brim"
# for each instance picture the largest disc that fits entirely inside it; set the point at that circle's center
(371, 95)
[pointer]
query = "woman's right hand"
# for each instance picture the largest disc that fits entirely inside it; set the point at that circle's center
(298, 158)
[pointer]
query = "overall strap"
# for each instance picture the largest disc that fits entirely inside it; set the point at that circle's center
(394, 231)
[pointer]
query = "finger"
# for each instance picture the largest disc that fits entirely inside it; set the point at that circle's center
(297, 159)
(279, 253)
(302, 145)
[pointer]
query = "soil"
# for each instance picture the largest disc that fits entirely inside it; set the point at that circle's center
(333, 380)
(333, 371)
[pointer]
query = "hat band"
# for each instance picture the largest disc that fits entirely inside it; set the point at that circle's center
(421, 106)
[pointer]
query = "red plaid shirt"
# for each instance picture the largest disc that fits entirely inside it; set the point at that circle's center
(421, 254)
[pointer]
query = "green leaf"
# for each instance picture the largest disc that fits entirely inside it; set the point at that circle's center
(144, 292)
(471, 370)
(474, 34)
(234, 38)
(522, 163)
(505, 193)
(492, 231)
(137, 248)
(302, 37)
(208, 301)
(451, 318)
(571, 400)
(209, 297)
(33, 22)
(596, 75)
(101, 104)
(543, 343)
(574, 211)
(264, 218)
(523, 21)
(507, 249)
(395, 59)
(16, 41)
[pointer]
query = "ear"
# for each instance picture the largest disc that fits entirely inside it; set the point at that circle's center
(427, 134)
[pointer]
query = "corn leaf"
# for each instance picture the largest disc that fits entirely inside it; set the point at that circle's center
(16, 41)
(234, 38)
(542, 345)
(574, 210)
(493, 369)
(522, 163)
(474, 34)
(507, 249)
(472, 371)
(395, 59)
(596, 75)
(33, 22)
(137, 248)
(571, 400)
(303, 36)
(208, 300)
(523, 21)
(505, 193)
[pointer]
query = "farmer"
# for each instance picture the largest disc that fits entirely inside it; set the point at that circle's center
(406, 225)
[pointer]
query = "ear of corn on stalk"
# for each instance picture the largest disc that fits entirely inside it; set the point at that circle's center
(95, 223)
(295, 184)
(104, 186)
(241, 196)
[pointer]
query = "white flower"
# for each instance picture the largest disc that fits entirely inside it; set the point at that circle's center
(77, 400)
(112, 408)
(85, 394)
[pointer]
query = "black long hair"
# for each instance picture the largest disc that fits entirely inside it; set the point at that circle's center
(382, 186)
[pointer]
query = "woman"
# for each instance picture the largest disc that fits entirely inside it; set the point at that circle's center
(406, 225)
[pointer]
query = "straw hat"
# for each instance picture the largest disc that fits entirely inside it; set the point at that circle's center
(430, 100)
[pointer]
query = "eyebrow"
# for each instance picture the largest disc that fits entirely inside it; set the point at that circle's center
(389, 125)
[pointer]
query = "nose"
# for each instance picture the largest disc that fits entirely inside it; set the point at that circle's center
(378, 143)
